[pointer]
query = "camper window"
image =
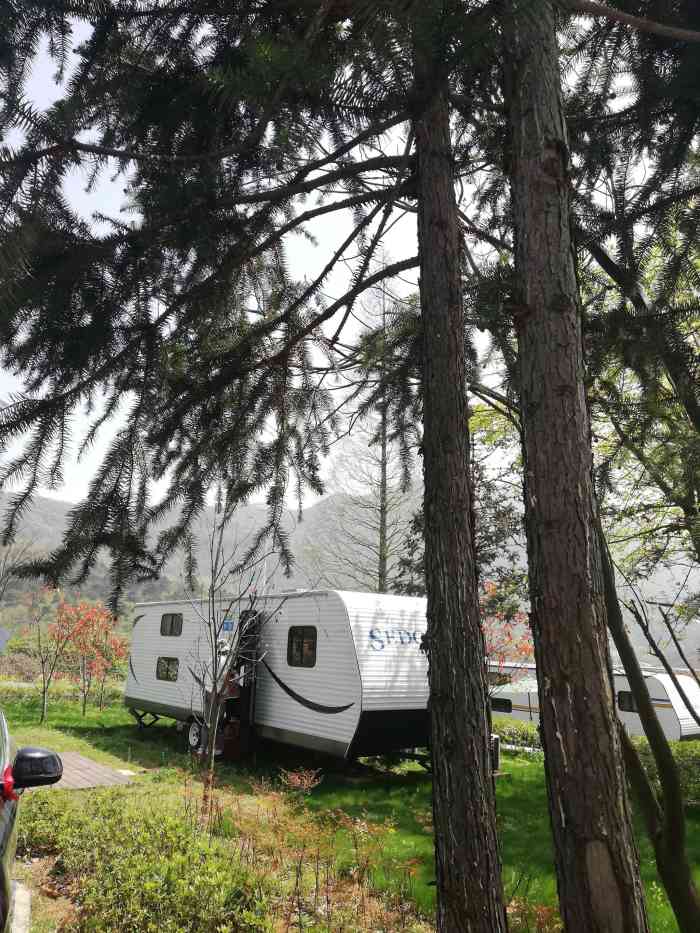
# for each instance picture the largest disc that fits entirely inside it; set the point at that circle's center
(171, 623)
(167, 668)
(625, 701)
(499, 705)
(301, 646)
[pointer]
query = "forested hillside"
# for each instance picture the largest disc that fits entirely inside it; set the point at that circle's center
(326, 554)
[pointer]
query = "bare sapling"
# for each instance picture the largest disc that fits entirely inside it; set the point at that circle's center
(231, 617)
(50, 631)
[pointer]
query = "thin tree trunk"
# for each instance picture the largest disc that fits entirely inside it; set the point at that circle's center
(383, 506)
(671, 864)
(383, 555)
(44, 702)
(596, 859)
(84, 688)
(212, 725)
(207, 791)
(469, 889)
(665, 821)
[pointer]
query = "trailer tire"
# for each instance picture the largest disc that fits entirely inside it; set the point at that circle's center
(196, 736)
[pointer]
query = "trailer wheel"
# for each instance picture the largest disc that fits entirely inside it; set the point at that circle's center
(196, 735)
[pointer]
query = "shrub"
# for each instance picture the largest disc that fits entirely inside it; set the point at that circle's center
(134, 871)
(686, 754)
(515, 732)
(687, 757)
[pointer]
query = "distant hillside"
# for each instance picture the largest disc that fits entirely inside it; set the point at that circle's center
(310, 540)
(321, 551)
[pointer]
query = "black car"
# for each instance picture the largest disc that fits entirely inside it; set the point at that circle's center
(30, 767)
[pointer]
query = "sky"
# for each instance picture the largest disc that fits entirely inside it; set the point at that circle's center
(304, 260)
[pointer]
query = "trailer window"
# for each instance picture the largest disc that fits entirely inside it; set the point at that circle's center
(625, 702)
(301, 646)
(171, 623)
(499, 705)
(167, 668)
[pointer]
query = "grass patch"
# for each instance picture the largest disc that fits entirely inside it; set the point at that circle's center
(362, 834)
(109, 735)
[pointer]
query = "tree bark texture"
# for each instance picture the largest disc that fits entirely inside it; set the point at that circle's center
(382, 563)
(595, 854)
(383, 557)
(469, 890)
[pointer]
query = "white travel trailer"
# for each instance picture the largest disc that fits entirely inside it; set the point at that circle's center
(339, 672)
(517, 696)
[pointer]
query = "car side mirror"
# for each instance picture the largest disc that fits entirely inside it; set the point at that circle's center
(36, 767)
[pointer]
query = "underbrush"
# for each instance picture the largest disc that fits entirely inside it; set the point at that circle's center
(525, 735)
(135, 860)
(62, 689)
(133, 870)
(687, 758)
(350, 852)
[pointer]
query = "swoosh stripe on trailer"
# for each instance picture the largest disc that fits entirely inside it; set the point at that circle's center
(131, 668)
(309, 704)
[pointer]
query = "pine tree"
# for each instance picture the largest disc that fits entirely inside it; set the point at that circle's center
(225, 130)
(222, 121)
(596, 856)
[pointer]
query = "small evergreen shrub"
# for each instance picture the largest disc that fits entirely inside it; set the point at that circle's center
(132, 871)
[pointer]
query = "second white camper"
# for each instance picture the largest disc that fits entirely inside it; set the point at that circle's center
(517, 696)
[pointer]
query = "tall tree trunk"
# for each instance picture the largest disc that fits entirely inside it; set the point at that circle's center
(469, 890)
(383, 556)
(383, 504)
(596, 858)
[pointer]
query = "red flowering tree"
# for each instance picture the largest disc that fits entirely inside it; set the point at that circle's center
(506, 631)
(94, 646)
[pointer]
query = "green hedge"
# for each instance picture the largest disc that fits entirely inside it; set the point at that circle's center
(687, 757)
(61, 689)
(687, 754)
(516, 732)
(132, 871)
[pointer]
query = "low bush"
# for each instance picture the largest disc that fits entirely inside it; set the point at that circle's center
(516, 732)
(521, 735)
(131, 871)
(687, 757)
(62, 689)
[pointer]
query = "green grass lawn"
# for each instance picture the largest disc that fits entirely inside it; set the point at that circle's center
(387, 815)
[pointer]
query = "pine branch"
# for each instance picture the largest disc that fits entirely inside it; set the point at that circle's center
(132, 155)
(596, 9)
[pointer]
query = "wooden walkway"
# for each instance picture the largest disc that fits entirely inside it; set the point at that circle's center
(80, 772)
